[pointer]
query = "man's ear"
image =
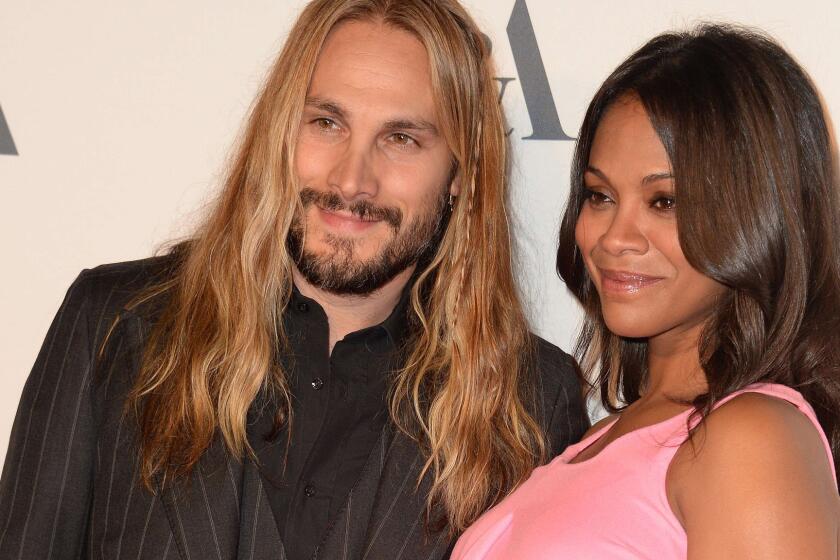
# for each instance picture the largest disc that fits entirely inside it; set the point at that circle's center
(454, 181)
(455, 186)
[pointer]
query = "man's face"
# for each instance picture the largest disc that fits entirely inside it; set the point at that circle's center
(373, 166)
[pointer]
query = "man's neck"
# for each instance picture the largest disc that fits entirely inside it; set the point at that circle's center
(350, 313)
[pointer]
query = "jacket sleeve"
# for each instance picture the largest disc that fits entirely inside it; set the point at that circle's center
(564, 408)
(569, 417)
(45, 490)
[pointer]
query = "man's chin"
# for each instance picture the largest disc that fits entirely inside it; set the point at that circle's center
(346, 277)
(348, 250)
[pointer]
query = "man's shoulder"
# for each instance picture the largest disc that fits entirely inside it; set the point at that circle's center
(552, 365)
(559, 391)
(134, 273)
(110, 289)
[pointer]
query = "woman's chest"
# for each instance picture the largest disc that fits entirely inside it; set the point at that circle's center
(613, 507)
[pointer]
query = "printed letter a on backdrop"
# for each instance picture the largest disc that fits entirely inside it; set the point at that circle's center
(535, 88)
(7, 144)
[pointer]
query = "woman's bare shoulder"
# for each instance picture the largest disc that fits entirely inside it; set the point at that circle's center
(600, 424)
(756, 471)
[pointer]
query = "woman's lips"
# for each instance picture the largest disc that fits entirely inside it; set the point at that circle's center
(625, 282)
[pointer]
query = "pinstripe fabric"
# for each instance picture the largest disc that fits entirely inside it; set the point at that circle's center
(69, 486)
(384, 519)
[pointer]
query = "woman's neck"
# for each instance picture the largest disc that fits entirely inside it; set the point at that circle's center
(674, 369)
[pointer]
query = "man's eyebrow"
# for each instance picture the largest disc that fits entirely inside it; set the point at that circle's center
(337, 110)
(326, 105)
(418, 125)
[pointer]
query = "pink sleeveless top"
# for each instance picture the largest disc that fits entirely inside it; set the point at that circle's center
(610, 507)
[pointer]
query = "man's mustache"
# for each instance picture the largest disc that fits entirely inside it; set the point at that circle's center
(363, 209)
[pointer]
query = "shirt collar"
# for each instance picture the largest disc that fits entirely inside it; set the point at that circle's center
(395, 325)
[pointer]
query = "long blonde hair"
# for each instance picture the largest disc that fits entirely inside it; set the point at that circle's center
(461, 395)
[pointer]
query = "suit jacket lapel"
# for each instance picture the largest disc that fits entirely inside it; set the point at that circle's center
(224, 511)
(204, 513)
(396, 530)
(383, 516)
(345, 537)
(259, 538)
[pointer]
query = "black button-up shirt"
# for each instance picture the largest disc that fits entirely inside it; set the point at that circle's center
(339, 409)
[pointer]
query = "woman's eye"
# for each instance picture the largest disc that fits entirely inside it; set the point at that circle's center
(595, 198)
(664, 203)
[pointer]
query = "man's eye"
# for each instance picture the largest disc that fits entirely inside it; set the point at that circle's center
(664, 203)
(595, 198)
(325, 124)
(402, 139)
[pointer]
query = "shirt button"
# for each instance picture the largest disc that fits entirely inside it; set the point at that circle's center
(309, 490)
(303, 307)
(317, 383)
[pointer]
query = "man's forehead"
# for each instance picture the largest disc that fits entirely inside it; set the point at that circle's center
(374, 63)
(365, 38)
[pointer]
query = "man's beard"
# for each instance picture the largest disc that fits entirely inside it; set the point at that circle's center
(338, 270)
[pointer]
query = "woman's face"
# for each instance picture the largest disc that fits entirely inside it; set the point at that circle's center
(627, 233)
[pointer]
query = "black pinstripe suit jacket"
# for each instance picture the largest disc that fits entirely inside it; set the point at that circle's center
(69, 486)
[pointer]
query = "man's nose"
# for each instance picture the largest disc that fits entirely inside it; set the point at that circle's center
(624, 234)
(352, 174)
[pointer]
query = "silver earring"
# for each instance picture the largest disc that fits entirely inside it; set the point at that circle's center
(451, 201)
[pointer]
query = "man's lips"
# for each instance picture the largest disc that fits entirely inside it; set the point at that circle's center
(625, 282)
(345, 221)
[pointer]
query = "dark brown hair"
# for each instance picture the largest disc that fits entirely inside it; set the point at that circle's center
(757, 211)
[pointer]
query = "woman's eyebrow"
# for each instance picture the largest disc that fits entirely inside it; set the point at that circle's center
(653, 177)
(598, 173)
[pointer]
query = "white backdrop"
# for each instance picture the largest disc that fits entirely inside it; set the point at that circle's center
(122, 114)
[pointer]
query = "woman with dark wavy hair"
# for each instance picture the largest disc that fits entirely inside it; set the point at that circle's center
(701, 237)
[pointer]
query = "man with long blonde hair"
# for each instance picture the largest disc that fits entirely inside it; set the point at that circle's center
(336, 365)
